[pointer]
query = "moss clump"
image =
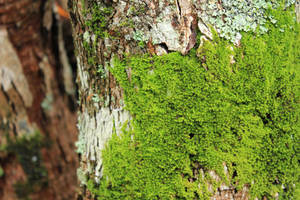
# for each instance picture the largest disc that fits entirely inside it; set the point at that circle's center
(99, 20)
(189, 115)
(96, 23)
(91, 53)
(27, 150)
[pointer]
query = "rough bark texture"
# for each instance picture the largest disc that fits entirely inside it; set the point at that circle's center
(32, 103)
(130, 27)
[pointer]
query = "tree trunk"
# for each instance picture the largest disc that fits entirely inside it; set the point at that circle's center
(37, 117)
(105, 33)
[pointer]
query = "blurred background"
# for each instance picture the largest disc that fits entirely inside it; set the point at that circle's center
(37, 101)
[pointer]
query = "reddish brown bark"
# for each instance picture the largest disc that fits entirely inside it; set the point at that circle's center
(22, 24)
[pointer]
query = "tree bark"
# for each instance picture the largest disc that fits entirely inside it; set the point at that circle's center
(130, 27)
(37, 118)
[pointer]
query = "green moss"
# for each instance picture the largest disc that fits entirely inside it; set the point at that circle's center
(91, 53)
(99, 21)
(27, 150)
(1, 172)
(189, 115)
(96, 24)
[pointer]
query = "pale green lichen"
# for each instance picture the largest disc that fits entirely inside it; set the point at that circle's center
(101, 71)
(86, 36)
(140, 37)
(231, 17)
(82, 176)
(47, 102)
(81, 142)
(96, 98)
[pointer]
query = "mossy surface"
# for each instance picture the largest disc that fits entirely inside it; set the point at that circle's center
(190, 113)
(27, 150)
(98, 21)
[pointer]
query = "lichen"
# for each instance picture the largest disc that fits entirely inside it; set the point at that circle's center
(47, 102)
(82, 176)
(191, 115)
(231, 17)
(94, 131)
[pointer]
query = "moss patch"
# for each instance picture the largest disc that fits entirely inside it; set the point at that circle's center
(27, 149)
(98, 22)
(189, 115)
(1, 172)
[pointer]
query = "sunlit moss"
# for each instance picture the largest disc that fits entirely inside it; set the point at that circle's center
(191, 114)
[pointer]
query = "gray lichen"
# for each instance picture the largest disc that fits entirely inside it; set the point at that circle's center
(231, 17)
(171, 23)
(82, 176)
(47, 102)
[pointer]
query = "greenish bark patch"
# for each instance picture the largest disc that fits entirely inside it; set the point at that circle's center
(191, 114)
(96, 24)
(99, 20)
(27, 150)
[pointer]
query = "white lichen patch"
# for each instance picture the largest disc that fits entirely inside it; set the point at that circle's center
(11, 72)
(95, 130)
(87, 36)
(163, 32)
(231, 17)
(82, 176)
